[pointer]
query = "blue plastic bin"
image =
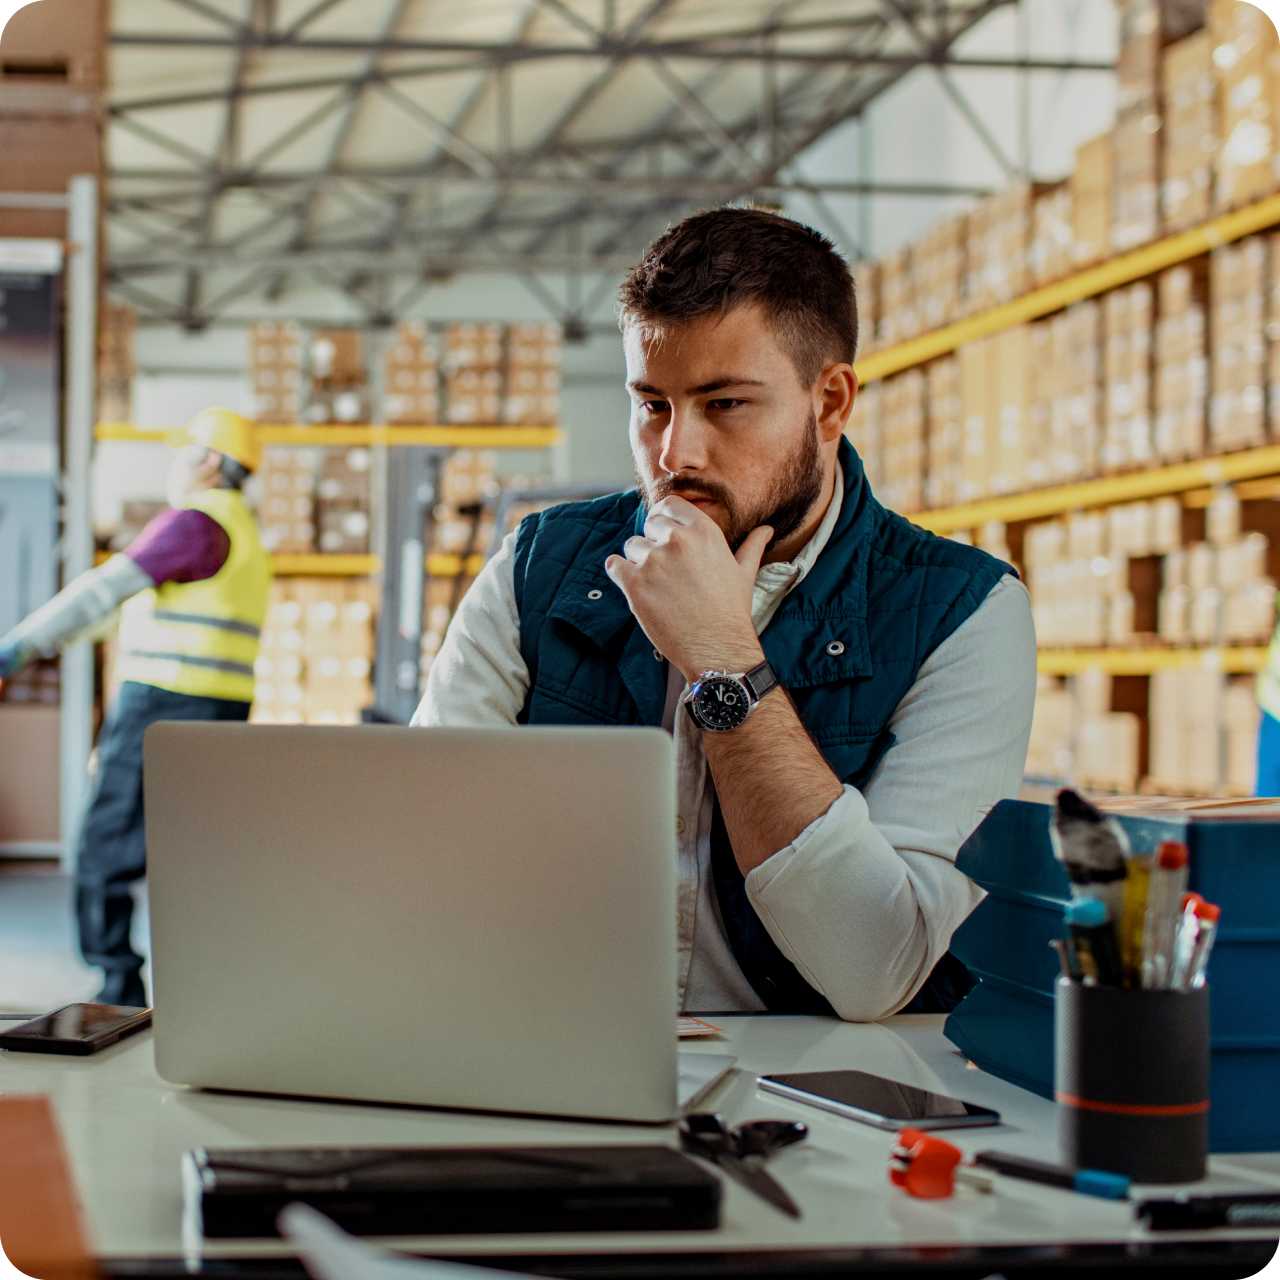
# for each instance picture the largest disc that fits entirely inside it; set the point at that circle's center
(1005, 1025)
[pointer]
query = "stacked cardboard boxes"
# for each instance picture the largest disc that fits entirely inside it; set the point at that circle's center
(116, 364)
(275, 372)
(938, 272)
(945, 445)
(1089, 729)
(286, 500)
(866, 290)
(902, 437)
(463, 514)
(1068, 386)
(1244, 54)
(1181, 370)
(899, 318)
(338, 391)
(279, 695)
(1092, 185)
(343, 501)
(1204, 732)
(1129, 318)
(1053, 236)
(531, 375)
(1238, 408)
(473, 357)
(978, 427)
(1272, 287)
(999, 250)
(316, 658)
(864, 432)
(411, 378)
(1190, 131)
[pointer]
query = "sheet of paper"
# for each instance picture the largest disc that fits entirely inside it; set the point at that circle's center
(329, 1253)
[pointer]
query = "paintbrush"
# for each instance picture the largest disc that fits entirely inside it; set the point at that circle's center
(1092, 847)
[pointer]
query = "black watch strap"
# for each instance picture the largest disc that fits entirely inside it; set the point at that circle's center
(760, 680)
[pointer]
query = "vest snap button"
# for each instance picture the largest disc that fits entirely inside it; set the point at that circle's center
(595, 594)
(835, 648)
(657, 657)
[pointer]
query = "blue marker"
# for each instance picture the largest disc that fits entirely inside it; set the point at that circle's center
(1088, 1182)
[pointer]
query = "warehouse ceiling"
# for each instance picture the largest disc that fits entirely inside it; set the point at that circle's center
(373, 147)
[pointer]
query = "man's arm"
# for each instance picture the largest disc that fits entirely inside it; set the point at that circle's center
(72, 614)
(479, 677)
(864, 900)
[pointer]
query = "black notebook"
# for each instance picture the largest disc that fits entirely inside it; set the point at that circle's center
(451, 1190)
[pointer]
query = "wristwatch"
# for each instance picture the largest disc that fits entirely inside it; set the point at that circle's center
(720, 701)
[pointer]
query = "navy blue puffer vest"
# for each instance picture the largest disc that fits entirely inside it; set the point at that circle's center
(889, 592)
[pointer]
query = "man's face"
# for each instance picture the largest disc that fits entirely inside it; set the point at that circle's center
(719, 416)
(191, 470)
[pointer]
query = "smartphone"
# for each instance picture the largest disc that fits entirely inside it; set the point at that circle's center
(887, 1104)
(78, 1029)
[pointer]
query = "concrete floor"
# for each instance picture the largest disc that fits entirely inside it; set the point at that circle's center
(40, 966)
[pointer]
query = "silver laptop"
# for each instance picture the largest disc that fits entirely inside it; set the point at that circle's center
(449, 917)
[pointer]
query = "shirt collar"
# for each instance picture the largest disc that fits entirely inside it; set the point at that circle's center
(792, 572)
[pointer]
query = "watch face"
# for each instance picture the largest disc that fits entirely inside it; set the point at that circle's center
(722, 702)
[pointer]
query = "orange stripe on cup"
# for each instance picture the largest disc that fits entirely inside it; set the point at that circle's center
(1133, 1109)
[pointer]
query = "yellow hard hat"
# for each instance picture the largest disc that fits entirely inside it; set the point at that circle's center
(227, 433)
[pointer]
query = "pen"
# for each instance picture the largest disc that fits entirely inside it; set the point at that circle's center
(1207, 916)
(1184, 944)
(1089, 923)
(1137, 886)
(1088, 1182)
(1243, 1209)
(1168, 883)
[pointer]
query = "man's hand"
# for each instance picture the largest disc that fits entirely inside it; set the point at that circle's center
(689, 592)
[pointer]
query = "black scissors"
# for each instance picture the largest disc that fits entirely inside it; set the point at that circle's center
(741, 1152)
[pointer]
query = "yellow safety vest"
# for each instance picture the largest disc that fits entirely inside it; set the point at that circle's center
(1269, 679)
(201, 638)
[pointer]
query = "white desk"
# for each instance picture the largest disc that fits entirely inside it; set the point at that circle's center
(125, 1131)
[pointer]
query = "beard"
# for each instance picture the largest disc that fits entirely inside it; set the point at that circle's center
(796, 486)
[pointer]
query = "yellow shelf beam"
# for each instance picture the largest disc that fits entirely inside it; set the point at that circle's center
(1145, 662)
(440, 564)
(1112, 274)
(1040, 504)
(344, 436)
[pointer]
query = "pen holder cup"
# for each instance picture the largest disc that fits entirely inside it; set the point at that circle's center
(1131, 1077)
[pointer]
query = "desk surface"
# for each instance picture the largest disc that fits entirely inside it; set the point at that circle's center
(125, 1131)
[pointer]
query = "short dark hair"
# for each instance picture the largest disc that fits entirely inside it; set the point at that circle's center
(722, 258)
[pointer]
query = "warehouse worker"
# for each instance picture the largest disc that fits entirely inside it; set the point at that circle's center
(881, 679)
(195, 581)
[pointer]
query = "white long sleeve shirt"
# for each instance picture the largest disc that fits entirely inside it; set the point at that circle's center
(865, 899)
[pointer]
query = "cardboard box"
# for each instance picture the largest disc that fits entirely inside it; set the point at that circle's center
(337, 358)
(1190, 139)
(41, 156)
(62, 41)
(1244, 43)
(29, 781)
(1091, 199)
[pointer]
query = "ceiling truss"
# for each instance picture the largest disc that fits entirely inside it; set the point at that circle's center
(565, 212)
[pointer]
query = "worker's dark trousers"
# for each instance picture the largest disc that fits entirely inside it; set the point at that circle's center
(112, 850)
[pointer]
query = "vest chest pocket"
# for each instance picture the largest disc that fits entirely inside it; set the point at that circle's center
(854, 760)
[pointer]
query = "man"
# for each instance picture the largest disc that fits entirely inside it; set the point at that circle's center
(195, 581)
(819, 816)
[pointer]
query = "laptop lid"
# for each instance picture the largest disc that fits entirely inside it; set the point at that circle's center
(451, 917)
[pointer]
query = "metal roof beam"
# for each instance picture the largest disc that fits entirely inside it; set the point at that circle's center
(357, 257)
(555, 183)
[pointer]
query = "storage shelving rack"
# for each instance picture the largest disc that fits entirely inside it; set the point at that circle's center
(404, 555)
(1253, 472)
